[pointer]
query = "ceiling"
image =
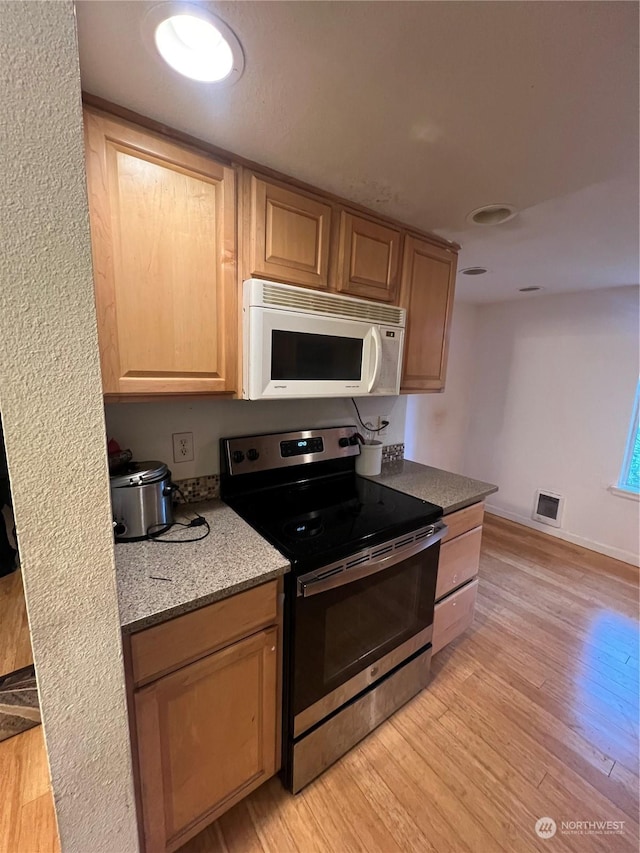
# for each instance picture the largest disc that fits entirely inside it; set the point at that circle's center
(424, 111)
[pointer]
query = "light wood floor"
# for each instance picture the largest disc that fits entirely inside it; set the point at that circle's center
(533, 713)
(15, 641)
(27, 818)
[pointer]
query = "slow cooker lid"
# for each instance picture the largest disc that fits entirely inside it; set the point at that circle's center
(139, 473)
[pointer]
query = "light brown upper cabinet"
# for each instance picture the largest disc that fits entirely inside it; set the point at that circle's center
(164, 256)
(368, 258)
(287, 233)
(428, 281)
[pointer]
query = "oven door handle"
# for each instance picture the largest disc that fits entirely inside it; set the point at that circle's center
(314, 583)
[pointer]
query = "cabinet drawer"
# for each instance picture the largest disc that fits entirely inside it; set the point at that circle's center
(453, 615)
(459, 561)
(462, 520)
(165, 647)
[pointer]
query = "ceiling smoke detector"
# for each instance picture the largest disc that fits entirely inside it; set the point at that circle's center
(492, 214)
(194, 42)
(529, 289)
(474, 271)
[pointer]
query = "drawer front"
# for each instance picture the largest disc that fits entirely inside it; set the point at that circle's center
(459, 561)
(453, 615)
(165, 647)
(462, 520)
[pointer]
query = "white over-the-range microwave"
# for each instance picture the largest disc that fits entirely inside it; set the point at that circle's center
(303, 343)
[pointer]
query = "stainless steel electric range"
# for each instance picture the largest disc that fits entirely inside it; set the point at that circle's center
(360, 597)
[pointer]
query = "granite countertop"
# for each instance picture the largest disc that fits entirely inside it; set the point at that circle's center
(450, 491)
(159, 581)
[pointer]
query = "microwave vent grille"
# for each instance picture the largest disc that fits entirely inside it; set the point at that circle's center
(325, 303)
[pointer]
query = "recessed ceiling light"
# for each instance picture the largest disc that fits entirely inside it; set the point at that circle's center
(529, 289)
(474, 271)
(195, 43)
(492, 214)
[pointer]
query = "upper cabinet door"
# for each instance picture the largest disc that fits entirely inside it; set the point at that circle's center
(164, 257)
(288, 234)
(428, 281)
(368, 259)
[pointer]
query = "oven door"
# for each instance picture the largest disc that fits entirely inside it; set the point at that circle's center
(353, 626)
(290, 354)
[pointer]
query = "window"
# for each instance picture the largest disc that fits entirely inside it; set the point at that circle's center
(630, 475)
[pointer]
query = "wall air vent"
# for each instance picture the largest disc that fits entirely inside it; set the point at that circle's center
(548, 508)
(297, 299)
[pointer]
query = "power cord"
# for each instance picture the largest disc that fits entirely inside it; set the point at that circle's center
(198, 521)
(385, 424)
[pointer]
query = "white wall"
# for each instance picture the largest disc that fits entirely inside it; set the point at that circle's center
(553, 390)
(146, 428)
(51, 402)
(437, 424)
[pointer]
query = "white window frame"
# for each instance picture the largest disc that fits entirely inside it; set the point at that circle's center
(622, 488)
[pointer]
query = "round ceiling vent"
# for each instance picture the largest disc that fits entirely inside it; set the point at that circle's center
(492, 214)
(474, 271)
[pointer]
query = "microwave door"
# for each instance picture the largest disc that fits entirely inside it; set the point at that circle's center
(297, 355)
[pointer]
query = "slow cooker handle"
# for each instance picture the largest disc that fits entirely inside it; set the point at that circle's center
(170, 489)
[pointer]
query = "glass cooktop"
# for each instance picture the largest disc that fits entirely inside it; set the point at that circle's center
(319, 521)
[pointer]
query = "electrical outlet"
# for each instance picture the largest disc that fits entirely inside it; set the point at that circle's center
(183, 447)
(384, 431)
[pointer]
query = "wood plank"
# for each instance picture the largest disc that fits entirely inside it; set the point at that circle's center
(15, 639)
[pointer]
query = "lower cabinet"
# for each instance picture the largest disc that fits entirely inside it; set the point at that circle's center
(453, 615)
(206, 735)
(457, 584)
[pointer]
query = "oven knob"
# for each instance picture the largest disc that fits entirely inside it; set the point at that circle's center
(353, 439)
(252, 454)
(119, 528)
(344, 442)
(238, 456)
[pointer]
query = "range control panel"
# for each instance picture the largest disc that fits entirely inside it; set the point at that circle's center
(251, 453)
(301, 446)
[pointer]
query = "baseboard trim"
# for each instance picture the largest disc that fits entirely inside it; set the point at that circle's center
(599, 547)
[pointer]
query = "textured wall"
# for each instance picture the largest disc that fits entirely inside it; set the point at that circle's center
(51, 407)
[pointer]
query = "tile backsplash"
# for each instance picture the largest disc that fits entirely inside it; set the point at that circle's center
(392, 452)
(195, 489)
